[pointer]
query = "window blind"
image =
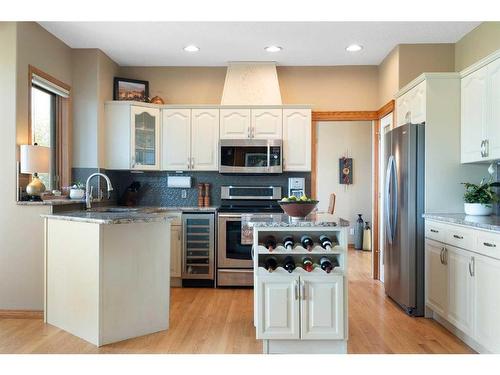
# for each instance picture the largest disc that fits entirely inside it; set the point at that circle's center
(49, 86)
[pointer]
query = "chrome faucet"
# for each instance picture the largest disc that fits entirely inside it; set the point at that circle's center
(88, 190)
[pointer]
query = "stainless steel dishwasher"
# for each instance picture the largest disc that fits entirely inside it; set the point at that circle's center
(198, 257)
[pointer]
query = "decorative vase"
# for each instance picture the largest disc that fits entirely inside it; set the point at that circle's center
(76, 193)
(358, 233)
(478, 209)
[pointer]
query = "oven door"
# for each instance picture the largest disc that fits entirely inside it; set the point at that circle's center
(250, 156)
(231, 252)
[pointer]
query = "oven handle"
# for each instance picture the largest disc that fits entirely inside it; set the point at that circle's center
(230, 215)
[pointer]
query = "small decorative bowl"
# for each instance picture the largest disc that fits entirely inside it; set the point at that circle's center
(298, 209)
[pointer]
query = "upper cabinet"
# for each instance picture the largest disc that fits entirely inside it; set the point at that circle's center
(410, 107)
(132, 137)
(480, 114)
(251, 123)
(176, 135)
(297, 140)
(190, 139)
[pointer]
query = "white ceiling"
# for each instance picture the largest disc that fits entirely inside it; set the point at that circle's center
(304, 43)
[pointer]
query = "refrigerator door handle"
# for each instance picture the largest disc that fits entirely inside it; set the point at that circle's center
(388, 176)
(395, 194)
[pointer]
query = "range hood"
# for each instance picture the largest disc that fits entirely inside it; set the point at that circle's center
(251, 83)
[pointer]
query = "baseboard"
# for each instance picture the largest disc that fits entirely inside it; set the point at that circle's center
(21, 314)
(469, 341)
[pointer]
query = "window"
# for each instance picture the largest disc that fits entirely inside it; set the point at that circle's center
(43, 129)
(50, 125)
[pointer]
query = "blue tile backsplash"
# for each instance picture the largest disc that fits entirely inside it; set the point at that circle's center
(154, 190)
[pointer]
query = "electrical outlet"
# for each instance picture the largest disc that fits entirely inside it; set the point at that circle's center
(184, 194)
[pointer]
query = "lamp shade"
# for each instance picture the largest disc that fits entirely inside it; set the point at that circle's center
(35, 159)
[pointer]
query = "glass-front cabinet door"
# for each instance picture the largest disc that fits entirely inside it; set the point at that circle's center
(145, 138)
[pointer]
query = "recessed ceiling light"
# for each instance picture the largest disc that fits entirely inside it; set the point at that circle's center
(191, 48)
(354, 48)
(273, 48)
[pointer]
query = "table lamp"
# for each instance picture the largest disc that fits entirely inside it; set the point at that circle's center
(35, 159)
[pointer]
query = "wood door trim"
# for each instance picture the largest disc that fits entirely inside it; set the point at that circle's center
(21, 314)
(344, 115)
(375, 117)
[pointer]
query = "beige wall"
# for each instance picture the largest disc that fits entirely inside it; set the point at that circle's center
(93, 74)
(325, 88)
(477, 44)
(21, 228)
(415, 59)
(388, 77)
(334, 140)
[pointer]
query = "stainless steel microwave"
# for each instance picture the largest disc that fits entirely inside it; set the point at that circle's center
(250, 156)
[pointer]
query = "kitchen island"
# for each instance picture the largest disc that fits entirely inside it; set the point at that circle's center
(107, 274)
(300, 309)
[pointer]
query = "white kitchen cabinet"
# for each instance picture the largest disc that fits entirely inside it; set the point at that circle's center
(255, 123)
(235, 124)
(486, 302)
(322, 307)
(459, 288)
(492, 128)
(481, 114)
(411, 106)
(131, 136)
(278, 307)
(190, 139)
(436, 277)
(176, 134)
(176, 251)
(204, 139)
(297, 140)
(267, 123)
(473, 114)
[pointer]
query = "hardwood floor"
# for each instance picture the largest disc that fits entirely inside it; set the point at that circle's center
(220, 321)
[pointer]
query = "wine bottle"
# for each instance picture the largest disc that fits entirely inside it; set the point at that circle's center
(327, 265)
(270, 264)
(288, 243)
(307, 242)
(325, 242)
(289, 264)
(307, 263)
(270, 243)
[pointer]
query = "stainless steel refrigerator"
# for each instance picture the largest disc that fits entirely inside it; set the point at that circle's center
(403, 209)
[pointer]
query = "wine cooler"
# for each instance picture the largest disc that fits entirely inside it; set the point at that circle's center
(198, 247)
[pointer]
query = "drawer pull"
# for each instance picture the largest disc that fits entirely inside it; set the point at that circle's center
(489, 244)
(458, 237)
(434, 231)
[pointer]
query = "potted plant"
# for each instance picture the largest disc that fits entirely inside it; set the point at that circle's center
(479, 199)
(77, 190)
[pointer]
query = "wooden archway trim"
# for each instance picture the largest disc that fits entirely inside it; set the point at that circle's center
(374, 116)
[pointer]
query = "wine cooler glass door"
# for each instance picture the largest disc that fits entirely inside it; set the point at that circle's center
(198, 246)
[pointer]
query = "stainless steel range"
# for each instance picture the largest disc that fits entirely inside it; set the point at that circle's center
(234, 255)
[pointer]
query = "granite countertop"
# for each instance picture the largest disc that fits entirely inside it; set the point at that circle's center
(99, 216)
(283, 220)
(50, 202)
(481, 222)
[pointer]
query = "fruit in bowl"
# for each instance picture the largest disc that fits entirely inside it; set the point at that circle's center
(298, 207)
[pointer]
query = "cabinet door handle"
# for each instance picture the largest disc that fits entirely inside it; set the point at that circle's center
(486, 148)
(458, 237)
(488, 244)
(482, 149)
(445, 256)
(192, 163)
(441, 255)
(472, 267)
(303, 290)
(296, 289)
(434, 231)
